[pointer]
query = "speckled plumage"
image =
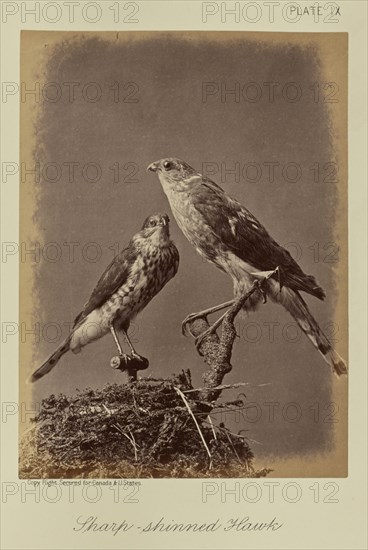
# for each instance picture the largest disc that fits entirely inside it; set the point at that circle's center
(127, 285)
(228, 235)
(135, 276)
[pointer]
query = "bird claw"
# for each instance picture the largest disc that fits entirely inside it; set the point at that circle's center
(198, 341)
(188, 319)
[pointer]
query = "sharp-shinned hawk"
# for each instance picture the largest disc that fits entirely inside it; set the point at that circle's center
(228, 235)
(128, 284)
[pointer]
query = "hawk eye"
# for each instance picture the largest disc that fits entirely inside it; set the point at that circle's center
(152, 222)
(167, 165)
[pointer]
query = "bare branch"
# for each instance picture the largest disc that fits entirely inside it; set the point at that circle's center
(216, 351)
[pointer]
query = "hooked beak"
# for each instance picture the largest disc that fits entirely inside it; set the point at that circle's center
(153, 167)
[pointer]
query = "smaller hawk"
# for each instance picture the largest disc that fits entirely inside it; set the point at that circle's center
(128, 284)
(225, 233)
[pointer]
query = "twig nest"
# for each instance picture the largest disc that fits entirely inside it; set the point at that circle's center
(137, 430)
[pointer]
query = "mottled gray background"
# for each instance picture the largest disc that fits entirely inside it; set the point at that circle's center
(170, 118)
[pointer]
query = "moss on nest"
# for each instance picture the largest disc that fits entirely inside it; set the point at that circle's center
(132, 431)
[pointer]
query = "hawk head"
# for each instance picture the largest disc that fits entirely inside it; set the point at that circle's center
(173, 172)
(156, 225)
(156, 220)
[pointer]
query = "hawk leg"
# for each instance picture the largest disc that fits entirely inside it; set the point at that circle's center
(120, 349)
(278, 273)
(131, 364)
(122, 360)
(134, 353)
(261, 290)
(137, 362)
(263, 276)
(193, 316)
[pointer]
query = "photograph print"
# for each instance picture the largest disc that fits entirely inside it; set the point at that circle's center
(184, 260)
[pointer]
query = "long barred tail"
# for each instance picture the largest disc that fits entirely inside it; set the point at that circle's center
(295, 304)
(51, 361)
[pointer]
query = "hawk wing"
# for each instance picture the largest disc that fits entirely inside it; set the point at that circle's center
(246, 237)
(114, 276)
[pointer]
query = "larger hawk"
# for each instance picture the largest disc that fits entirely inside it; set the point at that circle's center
(228, 235)
(128, 284)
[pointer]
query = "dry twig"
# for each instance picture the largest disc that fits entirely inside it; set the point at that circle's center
(179, 392)
(216, 350)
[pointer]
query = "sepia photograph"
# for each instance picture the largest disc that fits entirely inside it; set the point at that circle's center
(183, 254)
